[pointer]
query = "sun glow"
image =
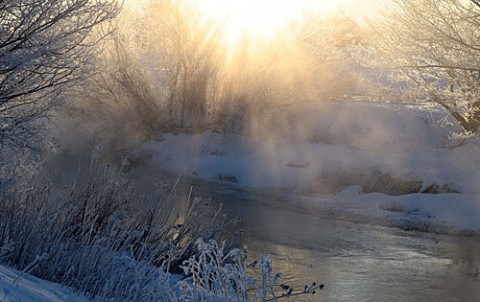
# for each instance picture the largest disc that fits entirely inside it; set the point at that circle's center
(259, 18)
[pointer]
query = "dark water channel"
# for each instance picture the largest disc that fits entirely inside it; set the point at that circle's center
(356, 262)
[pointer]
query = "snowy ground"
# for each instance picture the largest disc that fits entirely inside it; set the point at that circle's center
(16, 286)
(364, 160)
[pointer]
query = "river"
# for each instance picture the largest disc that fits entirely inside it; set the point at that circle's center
(356, 262)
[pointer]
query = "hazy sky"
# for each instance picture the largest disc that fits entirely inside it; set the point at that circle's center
(361, 7)
(263, 18)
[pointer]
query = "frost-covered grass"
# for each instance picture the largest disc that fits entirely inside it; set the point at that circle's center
(87, 237)
(217, 275)
(212, 275)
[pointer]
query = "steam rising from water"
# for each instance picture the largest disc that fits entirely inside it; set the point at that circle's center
(174, 74)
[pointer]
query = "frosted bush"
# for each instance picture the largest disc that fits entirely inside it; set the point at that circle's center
(217, 275)
(85, 236)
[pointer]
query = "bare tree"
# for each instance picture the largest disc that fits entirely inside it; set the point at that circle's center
(45, 48)
(328, 42)
(436, 45)
(188, 45)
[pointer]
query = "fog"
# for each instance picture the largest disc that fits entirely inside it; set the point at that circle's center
(169, 70)
(166, 68)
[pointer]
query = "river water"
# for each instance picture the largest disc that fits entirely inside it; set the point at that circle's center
(356, 262)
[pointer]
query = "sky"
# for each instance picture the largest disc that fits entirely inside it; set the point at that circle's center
(355, 7)
(265, 18)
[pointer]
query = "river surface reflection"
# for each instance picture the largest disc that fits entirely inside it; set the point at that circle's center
(356, 262)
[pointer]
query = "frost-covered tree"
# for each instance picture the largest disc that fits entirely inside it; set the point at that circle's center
(45, 48)
(328, 41)
(436, 45)
(164, 64)
(186, 45)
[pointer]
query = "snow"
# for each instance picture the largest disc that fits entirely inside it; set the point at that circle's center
(16, 286)
(360, 160)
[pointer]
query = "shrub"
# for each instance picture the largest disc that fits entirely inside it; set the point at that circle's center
(86, 236)
(216, 274)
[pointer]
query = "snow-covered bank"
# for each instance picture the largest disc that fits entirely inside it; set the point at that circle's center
(455, 214)
(16, 286)
(360, 159)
